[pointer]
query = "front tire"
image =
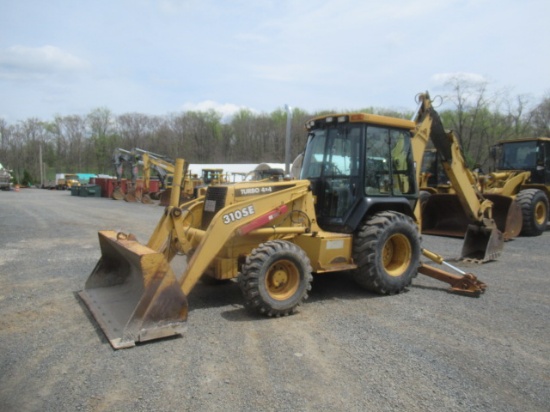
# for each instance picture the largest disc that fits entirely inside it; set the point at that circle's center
(275, 278)
(387, 253)
(534, 208)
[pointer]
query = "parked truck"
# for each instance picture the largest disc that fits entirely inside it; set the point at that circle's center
(64, 181)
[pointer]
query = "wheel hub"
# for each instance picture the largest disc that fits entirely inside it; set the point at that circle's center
(282, 280)
(279, 278)
(540, 213)
(397, 255)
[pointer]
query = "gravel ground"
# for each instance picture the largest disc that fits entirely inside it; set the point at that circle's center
(345, 350)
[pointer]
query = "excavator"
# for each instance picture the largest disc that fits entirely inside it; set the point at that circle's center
(122, 159)
(352, 210)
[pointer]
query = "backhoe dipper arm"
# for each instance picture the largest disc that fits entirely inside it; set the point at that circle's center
(430, 127)
(161, 164)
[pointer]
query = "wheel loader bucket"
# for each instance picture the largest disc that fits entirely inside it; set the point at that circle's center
(482, 244)
(133, 293)
(506, 214)
(443, 215)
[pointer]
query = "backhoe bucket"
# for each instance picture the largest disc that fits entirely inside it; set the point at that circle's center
(482, 244)
(117, 194)
(133, 293)
(166, 195)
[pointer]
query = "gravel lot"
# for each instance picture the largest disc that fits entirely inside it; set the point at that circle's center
(346, 350)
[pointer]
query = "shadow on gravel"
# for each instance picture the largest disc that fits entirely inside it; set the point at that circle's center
(337, 285)
(212, 294)
(324, 287)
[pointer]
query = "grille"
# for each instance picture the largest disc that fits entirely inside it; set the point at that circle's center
(214, 201)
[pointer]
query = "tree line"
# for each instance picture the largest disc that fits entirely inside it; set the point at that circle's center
(85, 143)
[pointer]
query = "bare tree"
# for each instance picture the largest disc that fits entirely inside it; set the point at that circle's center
(103, 138)
(135, 129)
(541, 117)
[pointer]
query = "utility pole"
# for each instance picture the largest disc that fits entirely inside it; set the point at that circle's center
(288, 138)
(41, 166)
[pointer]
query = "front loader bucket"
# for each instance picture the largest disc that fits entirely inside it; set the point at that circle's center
(482, 244)
(443, 215)
(133, 293)
(506, 214)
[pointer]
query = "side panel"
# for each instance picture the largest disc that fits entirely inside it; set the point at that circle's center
(328, 252)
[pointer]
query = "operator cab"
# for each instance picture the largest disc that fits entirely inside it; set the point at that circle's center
(358, 162)
(531, 155)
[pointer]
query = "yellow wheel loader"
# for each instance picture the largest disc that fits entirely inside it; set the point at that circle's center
(458, 207)
(351, 210)
(523, 173)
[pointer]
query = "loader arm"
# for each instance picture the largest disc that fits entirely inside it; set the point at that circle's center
(506, 183)
(240, 219)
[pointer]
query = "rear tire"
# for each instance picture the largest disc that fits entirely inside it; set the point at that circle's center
(534, 208)
(387, 253)
(276, 278)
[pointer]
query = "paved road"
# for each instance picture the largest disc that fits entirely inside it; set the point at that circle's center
(345, 350)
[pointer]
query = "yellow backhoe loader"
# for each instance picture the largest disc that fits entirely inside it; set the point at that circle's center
(457, 207)
(165, 169)
(351, 210)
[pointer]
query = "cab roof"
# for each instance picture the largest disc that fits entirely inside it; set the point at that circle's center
(367, 118)
(526, 139)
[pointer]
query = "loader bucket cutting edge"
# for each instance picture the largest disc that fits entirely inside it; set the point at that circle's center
(133, 293)
(482, 244)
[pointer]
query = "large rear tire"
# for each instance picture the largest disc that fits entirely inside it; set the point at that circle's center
(534, 208)
(276, 278)
(387, 253)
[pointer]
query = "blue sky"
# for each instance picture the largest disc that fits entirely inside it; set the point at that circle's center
(165, 56)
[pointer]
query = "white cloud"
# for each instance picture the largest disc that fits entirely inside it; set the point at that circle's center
(21, 62)
(227, 110)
